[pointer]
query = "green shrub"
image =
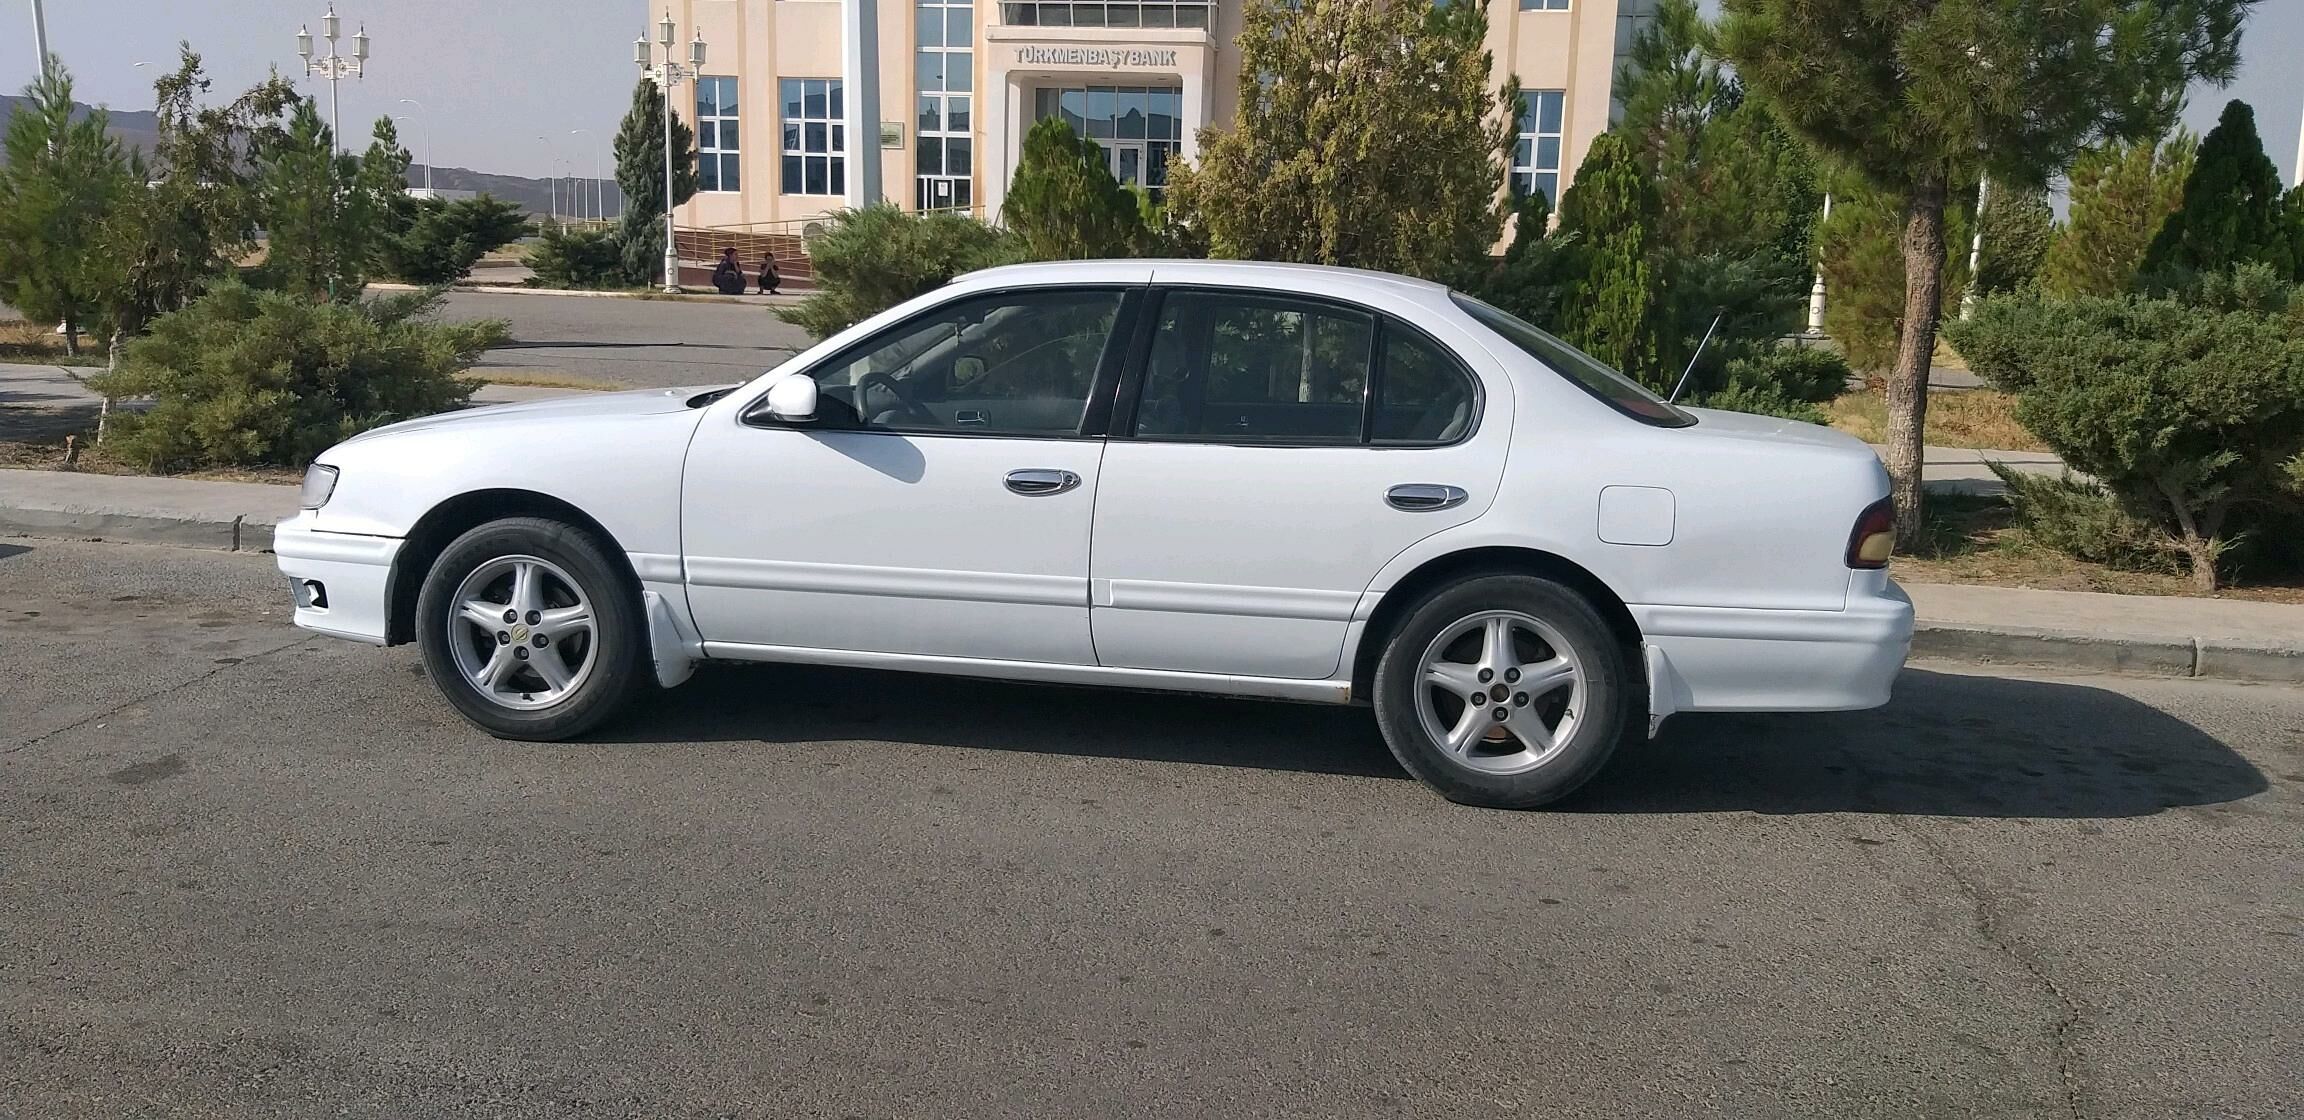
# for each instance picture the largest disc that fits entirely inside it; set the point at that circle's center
(247, 378)
(1801, 373)
(443, 240)
(1765, 398)
(578, 258)
(1065, 203)
(2080, 518)
(872, 259)
(2186, 408)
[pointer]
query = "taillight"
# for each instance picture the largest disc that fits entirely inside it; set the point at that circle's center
(1874, 539)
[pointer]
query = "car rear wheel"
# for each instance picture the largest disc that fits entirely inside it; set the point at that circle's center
(1505, 691)
(530, 630)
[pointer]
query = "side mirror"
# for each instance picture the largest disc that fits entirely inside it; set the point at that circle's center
(792, 399)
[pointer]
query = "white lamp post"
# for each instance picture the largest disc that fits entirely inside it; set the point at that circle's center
(1976, 247)
(552, 177)
(333, 66)
(1816, 292)
(667, 75)
(40, 37)
(427, 141)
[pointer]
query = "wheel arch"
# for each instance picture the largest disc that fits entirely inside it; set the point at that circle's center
(1447, 568)
(454, 517)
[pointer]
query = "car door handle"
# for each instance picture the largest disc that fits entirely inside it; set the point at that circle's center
(1422, 497)
(1040, 480)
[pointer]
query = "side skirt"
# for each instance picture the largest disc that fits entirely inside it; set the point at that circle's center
(1165, 680)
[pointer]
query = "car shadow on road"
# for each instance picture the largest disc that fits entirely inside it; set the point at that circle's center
(1949, 745)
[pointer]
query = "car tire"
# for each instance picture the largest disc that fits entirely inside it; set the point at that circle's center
(602, 664)
(1447, 650)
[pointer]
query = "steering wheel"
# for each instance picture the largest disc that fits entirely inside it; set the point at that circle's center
(912, 408)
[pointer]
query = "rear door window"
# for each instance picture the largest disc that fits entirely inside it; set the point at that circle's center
(1235, 366)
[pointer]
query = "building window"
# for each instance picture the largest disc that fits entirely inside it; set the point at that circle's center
(815, 139)
(1543, 5)
(1096, 13)
(717, 166)
(1141, 128)
(944, 154)
(1536, 159)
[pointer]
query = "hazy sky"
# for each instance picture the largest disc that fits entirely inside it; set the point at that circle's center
(494, 75)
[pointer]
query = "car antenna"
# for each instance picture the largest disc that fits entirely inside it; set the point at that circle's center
(1693, 358)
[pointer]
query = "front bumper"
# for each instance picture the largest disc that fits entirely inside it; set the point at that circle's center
(1713, 659)
(342, 581)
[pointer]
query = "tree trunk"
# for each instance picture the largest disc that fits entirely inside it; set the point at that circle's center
(1907, 389)
(2197, 537)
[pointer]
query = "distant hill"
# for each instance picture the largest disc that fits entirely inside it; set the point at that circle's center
(140, 129)
(135, 128)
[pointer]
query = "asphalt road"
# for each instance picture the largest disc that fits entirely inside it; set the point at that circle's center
(245, 872)
(631, 342)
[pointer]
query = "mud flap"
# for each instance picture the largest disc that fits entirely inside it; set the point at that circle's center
(670, 645)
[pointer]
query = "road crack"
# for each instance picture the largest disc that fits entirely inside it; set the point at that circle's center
(1988, 925)
(150, 696)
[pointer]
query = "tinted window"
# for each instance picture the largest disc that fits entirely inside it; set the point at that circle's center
(1242, 367)
(1587, 372)
(1016, 363)
(1423, 394)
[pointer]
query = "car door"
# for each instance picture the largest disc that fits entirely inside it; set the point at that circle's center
(1271, 454)
(939, 503)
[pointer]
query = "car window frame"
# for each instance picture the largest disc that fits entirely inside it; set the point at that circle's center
(1131, 388)
(1103, 386)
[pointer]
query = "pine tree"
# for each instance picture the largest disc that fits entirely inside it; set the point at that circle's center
(1065, 203)
(2017, 224)
(640, 179)
(194, 220)
(61, 178)
(1610, 308)
(1919, 97)
(2121, 194)
(2231, 212)
(1367, 134)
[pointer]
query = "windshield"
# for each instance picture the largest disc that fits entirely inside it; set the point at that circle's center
(1588, 373)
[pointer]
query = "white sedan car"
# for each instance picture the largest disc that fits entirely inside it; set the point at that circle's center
(1281, 481)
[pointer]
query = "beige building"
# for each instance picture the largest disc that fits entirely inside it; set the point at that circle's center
(961, 81)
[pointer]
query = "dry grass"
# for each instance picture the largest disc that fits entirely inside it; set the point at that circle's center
(540, 379)
(1976, 540)
(1960, 418)
(21, 341)
(48, 455)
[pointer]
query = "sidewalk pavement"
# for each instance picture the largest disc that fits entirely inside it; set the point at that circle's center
(697, 295)
(2162, 636)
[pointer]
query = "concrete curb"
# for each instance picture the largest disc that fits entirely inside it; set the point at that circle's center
(2206, 658)
(242, 533)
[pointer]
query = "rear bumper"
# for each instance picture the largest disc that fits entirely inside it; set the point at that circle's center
(340, 581)
(1722, 659)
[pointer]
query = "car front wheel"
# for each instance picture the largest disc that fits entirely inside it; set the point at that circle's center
(1505, 691)
(530, 630)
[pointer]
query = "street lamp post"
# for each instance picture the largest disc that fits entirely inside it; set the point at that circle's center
(427, 122)
(1976, 248)
(667, 75)
(333, 66)
(596, 208)
(40, 37)
(552, 178)
(1816, 291)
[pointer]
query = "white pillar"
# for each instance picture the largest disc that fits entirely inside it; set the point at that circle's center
(2298, 181)
(860, 81)
(1195, 110)
(995, 109)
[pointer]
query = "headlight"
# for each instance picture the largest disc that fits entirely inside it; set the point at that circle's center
(319, 483)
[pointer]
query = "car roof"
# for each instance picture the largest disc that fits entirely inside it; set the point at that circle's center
(1310, 279)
